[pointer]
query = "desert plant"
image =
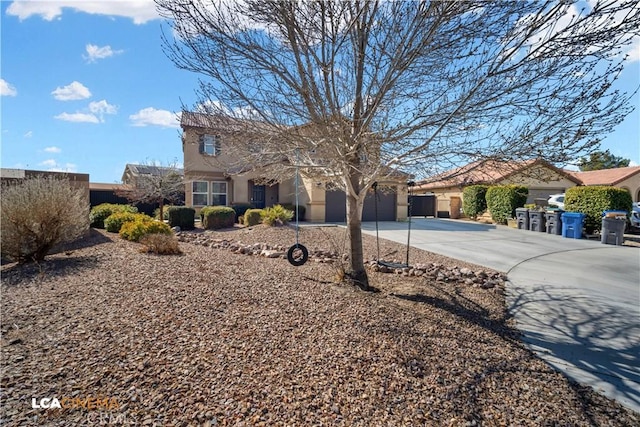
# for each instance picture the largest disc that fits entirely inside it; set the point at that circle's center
(101, 212)
(241, 208)
(161, 244)
(301, 211)
(181, 216)
(253, 217)
(276, 215)
(114, 222)
(39, 213)
(474, 201)
(135, 230)
(502, 201)
(216, 217)
(594, 200)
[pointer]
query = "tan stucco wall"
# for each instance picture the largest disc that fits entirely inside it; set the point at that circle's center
(633, 185)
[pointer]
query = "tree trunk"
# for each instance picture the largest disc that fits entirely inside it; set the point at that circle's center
(356, 272)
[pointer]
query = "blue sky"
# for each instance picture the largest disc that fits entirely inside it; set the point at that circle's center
(86, 88)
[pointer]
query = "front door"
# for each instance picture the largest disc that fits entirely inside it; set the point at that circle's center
(257, 196)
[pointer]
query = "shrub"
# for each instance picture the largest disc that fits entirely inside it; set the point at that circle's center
(276, 215)
(165, 212)
(101, 212)
(114, 222)
(38, 213)
(502, 201)
(594, 200)
(135, 230)
(474, 200)
(240, 209)
(253, 217)
(216, 217)
(161, 244)
(182, 216)
(301, 211)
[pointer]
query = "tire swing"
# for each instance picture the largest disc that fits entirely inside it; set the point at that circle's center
(297, 254)
(394, 265)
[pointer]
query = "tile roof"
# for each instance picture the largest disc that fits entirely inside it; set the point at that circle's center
(605, 176)
(486, 172)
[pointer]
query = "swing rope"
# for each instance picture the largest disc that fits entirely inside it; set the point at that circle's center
(297, 254)
(410, 185)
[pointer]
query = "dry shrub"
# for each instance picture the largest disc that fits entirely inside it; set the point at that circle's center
(39, 213)
(161, 244)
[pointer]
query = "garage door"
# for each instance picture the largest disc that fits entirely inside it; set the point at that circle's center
(336, 209)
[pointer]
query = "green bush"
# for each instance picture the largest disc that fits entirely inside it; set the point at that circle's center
(182, 216)
(474, 200)
(165, 212)
(216, 217)
(301, 211)
(241, 208)
(36, 214)
(502, 201)
(594, 200)
(114, 222)
(276, 215)
(135, 230)
(101, 212)
(253, 217)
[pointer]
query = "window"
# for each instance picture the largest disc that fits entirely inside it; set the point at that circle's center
(200, 192)
(219, 193)
(210, 145)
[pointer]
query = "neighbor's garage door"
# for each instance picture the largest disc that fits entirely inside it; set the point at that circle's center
(336, 209)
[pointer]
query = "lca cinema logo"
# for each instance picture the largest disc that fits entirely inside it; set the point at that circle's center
(86, 403)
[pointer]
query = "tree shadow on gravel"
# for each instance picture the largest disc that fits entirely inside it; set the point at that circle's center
(17, 274)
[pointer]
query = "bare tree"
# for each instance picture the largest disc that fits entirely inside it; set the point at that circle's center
(356, 90)
(155, 183)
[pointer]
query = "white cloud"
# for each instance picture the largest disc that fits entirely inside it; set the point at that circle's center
(100, 108)
(95, 52)
(28, 134)
(52, 166)
(78, 117)
(52, 150)
(152, 117)
(71, 92)
(140, 11)
(7, 89)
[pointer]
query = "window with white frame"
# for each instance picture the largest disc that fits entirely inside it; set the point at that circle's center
(219, 193)
(200, 193)
(210, 145)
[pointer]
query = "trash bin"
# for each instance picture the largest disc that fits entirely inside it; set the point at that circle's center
(615, 214)
(537, 221)
(554, 222)
(522, 217)
(612, 231)
(572, 224)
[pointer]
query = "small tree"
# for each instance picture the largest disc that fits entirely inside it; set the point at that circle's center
(39, 213)
(162, 183)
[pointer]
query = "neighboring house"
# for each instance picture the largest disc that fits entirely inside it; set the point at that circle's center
(132, 172)
(77, 180)
(210, 181)
(542, 178)
(106, 193)
(627, 178)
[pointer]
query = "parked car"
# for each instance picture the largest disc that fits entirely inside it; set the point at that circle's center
(557, 200)
(634, 221)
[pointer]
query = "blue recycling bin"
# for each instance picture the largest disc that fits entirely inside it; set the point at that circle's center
(572, 224)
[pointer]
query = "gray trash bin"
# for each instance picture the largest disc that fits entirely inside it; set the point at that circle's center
(537, 221)
(554, 222)
(522, 218)
(612, 231)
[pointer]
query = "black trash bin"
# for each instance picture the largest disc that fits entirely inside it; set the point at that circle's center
(537, 221)
(522, 218)
(554, 222)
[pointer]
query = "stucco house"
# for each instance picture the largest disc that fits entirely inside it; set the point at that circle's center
(627, 178)
(542, 178)
(213, 177)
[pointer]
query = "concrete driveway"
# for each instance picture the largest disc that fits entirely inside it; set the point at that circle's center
(577, 302)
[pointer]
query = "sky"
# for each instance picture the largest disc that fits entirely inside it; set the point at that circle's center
(85, 87)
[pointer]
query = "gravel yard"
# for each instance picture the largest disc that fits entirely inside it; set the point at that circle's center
(214, 337)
